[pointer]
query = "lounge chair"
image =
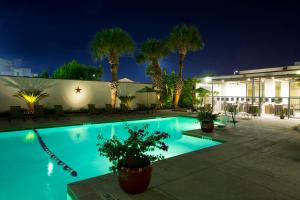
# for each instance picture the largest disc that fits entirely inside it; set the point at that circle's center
(153, 107)
(59, 112)
(16, 113)
(223, 120)
(38, 112)
(141, 107)
(109, 108)
(123, 107)
(92, 109)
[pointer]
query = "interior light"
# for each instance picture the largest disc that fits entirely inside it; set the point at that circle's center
(30, 137)
(50, 168)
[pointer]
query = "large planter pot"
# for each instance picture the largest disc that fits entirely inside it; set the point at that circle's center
(135, 180)
(207, 126)
(281, 117)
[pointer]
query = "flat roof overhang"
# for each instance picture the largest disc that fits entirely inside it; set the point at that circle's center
(276, 74)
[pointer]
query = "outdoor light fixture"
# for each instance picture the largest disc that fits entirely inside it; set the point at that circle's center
(50, 168)
(29, 137)
(236, 72)
(78, 90)
(248, 79)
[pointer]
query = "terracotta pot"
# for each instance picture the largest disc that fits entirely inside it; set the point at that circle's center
(135, 180)
(207, 126)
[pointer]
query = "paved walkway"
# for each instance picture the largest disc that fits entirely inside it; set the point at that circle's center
(259, 161)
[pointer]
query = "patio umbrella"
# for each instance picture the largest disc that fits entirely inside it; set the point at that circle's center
(147, 90)
(202, 93)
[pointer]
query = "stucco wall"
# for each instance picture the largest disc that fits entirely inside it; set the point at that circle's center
(62, 92)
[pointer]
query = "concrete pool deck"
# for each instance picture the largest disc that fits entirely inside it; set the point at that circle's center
(259, 160)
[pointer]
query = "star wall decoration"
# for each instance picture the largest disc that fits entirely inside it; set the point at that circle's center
(78, 90)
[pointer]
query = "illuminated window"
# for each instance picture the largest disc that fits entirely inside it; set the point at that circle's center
(277, 89)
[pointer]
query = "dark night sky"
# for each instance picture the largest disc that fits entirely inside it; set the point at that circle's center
(237, 34)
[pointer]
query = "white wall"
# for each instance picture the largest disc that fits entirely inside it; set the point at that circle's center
(234, 88)
(63, 93)
(227, 88)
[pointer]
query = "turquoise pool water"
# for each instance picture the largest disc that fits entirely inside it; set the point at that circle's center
(27, 172)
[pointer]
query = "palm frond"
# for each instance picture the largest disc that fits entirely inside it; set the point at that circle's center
(185, 37)
(112, 42)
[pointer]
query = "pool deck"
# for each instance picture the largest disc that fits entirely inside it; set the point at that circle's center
(259, 160)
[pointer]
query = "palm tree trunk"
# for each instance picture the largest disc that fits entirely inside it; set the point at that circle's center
(30, 107)
(157, 75)
(178, 89)
(179, 82)
(181, 61)
(114, 84)
(157, 78)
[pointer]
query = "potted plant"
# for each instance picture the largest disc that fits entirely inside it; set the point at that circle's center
(232, 109)
(281, 114)
(131, 158)
(127, 101)
(206, 118)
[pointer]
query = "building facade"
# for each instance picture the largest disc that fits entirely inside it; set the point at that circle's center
(9, 68)
(265, 92)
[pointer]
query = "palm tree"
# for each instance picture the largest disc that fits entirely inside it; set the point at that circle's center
(29, 90)
(110, 44)
(183, 38)
(151, 52)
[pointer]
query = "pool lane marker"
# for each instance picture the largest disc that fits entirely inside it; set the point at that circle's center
(53, 156)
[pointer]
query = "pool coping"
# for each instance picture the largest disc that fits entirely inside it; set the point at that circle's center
(91, 123)
(197, 133)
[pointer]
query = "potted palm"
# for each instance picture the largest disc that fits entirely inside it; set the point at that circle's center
(282, 113)
(131, 158)
(127, 101)
(206, 118)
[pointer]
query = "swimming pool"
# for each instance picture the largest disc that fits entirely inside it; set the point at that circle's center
(27, 172)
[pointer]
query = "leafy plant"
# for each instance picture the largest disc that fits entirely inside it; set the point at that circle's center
(75, 70)
(232, 109)
(168, 90)
(127, 100)
(188, 97)
(207, 115)
(31, 96)
(202, 93)
(111, 44)
(282, 112)
(44, 74)
(133, 152)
